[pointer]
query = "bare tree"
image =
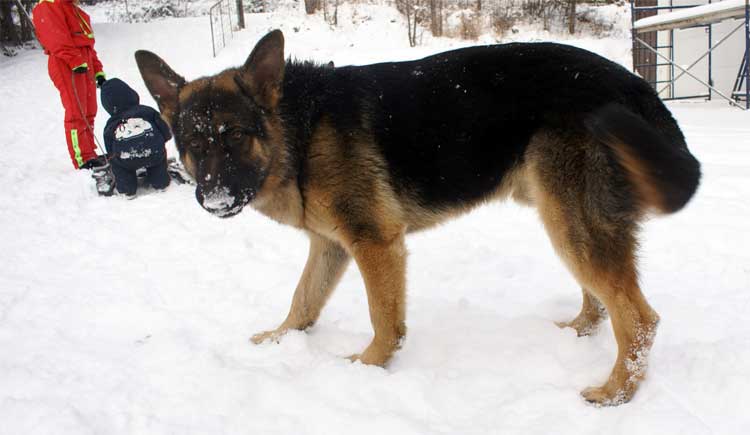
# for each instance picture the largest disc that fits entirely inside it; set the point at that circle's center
(15, 28)
(8, 29)
(436, 17)
(240, 14)
(413, 11)
(331, 19)
(572, 16)
(311, 6)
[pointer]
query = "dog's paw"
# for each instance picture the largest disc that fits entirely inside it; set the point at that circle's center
(582, 328)
(372, 357)
(361, 357)
(274, 336)
(601, 396)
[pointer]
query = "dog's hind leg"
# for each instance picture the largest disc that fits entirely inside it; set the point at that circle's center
(584, 203)
(326, 262)
(609, 271)
(591, 315)
(634, 323)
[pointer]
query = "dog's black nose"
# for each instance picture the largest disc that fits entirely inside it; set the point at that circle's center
(218, 198)
(220, 201)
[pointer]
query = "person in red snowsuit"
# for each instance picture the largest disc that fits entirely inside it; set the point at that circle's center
(64, 30)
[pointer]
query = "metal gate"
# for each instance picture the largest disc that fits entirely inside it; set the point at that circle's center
(223, 16)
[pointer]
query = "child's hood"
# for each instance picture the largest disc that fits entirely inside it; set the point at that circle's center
(117, 96)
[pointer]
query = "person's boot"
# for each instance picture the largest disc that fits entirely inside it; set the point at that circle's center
(101, 172)
(95, 162)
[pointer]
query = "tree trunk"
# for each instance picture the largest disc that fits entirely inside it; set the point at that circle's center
(311, 6)
(3, 24)
(433, 17)
(436, 17)
(572, 16)
(440, 17)
(27, 29)
(240, 14)
(414, 24)
(407, 8)
(8, 29)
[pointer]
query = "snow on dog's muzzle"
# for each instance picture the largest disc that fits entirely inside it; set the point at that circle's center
(220, 201)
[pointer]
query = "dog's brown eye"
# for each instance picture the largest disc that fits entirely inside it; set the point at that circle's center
(237, 134)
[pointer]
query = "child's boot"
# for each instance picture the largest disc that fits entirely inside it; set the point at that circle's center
(105, 181)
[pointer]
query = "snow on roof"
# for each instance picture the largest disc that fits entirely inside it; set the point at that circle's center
(706, 14)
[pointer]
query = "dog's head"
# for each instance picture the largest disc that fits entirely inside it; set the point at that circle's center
(226, 126)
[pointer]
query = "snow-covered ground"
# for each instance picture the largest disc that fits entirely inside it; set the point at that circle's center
(133, 317)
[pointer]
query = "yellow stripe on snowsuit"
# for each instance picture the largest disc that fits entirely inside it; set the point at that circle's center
(76, 148)
(84, 25)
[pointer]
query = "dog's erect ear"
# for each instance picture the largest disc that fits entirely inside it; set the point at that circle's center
(163, 83)
(263, 72)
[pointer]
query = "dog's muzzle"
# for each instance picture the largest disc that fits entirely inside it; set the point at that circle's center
(223, 201)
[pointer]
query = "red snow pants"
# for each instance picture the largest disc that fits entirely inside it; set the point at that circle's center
(80, 138)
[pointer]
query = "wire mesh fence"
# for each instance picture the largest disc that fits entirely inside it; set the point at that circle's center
(223, 16)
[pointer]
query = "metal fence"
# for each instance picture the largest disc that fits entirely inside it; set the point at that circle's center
(223, 17)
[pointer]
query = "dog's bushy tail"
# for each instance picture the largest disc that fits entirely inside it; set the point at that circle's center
(665, 175)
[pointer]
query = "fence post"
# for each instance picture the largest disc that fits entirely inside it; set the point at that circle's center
(240, 15)
(213, 42)
(747, 55)
(221, 20)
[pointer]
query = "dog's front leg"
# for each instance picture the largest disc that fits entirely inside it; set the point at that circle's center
(326, 262)
(383, 267)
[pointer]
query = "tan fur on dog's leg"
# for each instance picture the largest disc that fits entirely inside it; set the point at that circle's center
(383, 267)
(634, 323)
(603, 261)
(326, 262)
(591, 315)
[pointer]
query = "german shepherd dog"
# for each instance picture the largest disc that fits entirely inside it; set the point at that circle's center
(359, 156)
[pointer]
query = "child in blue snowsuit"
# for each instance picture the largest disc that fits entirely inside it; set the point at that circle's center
(134, 137)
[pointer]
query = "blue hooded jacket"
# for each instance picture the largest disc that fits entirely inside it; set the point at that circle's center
(134, 132)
